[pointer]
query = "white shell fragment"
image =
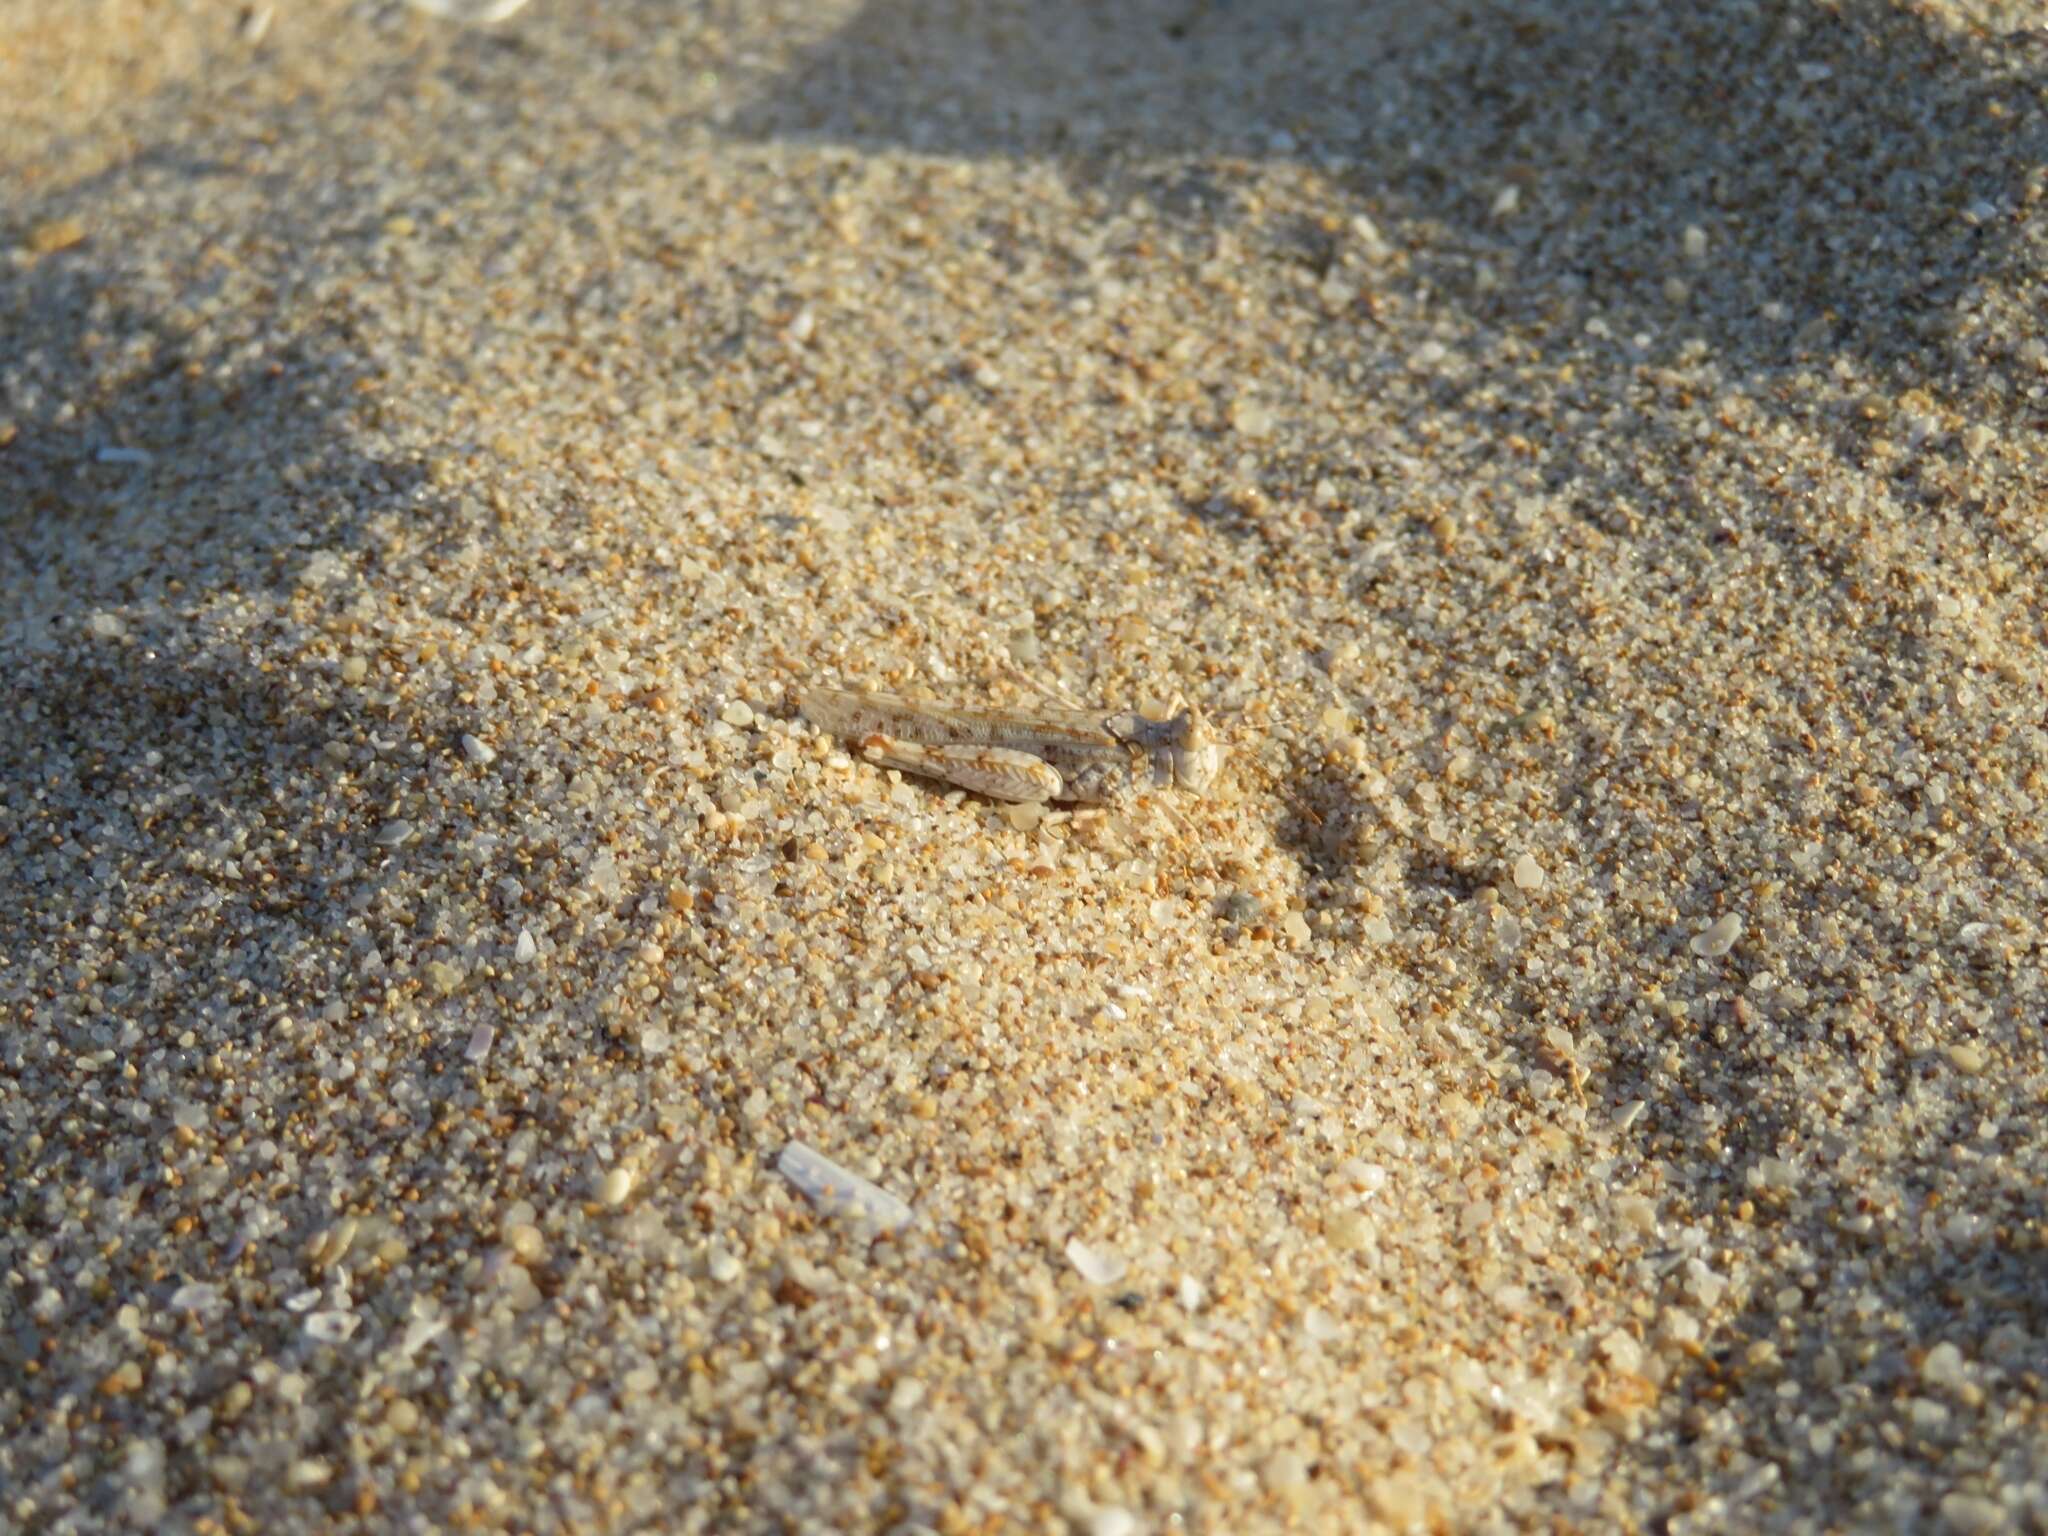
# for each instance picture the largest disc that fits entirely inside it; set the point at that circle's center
(332, 1327)
(1719, 939)
(838, 1191)
(1098, 1266)
(196, 1296)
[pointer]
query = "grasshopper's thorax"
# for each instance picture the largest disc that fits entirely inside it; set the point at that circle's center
(1183, 752)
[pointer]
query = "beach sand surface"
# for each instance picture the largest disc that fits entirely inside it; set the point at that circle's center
(1581, 1066)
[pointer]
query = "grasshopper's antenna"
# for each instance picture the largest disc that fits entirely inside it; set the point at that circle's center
(1048, 691)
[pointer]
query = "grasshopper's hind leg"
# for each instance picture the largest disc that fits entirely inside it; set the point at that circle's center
(1001, 773)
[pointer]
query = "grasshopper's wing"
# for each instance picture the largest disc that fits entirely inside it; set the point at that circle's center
(1001, 773)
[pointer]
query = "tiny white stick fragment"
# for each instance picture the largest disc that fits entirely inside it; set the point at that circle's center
(1028, 756)
(839, 1191)
(469, 13)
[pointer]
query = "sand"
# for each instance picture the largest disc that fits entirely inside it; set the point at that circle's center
(1582, 1066)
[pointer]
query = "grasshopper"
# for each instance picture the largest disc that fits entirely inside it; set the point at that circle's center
(1049, 752)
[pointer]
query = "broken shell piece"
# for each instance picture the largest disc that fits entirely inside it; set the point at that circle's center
(838, 1191)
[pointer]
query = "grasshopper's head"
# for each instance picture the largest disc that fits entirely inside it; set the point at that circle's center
(1194, 755)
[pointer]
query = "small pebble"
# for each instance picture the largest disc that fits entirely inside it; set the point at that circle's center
(1944, 1367)
(53, 235)
(1972, 1514)
(1716, 941)
(331, 1327)
(1285, 1471)
(640, 1380)
(1347, 1231)
(1250, 419)
(1098, 1266)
